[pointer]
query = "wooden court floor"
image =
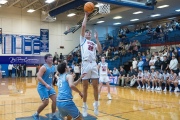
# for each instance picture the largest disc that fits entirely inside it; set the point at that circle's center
(19, 98)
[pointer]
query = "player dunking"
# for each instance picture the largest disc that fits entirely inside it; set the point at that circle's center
(44, 88)
(103, 72)
(89, 65)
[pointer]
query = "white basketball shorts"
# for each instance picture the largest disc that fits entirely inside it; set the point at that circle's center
(104, 78)
(91, 70)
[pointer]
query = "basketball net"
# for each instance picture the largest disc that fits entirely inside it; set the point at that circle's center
(104, 8)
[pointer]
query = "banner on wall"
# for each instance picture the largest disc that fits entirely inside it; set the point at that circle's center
(27, 45)
(36, 46)
(44, 39)
(0, 35)
(8, 44)
(17, 44)
(31, 60)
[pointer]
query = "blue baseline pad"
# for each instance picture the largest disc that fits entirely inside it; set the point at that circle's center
(31, 118)
(89, 117)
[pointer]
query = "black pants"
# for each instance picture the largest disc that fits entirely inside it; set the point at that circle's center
(10, 73)
(55, 80)
(77, 76)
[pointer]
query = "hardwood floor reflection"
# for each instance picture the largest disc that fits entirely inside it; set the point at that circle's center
(19, 98)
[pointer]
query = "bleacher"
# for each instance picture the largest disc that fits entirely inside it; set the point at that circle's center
(145, 39)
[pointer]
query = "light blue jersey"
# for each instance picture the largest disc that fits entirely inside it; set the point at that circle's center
(48, 75)
(64, 91)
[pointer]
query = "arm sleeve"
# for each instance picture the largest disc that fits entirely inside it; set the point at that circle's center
(82, 40)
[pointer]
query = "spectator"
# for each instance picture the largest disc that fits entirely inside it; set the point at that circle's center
(165, 63)
(10, 67)
(134, 63)
(130, 76)
(76, 71)
(143, 57)
(158, 64)
(122, 76)
(148, 55)
(139, 56)
(140, 65)
(146, 64)
(56, 57)
(115, 72)
(152, 62)
(173, 64)
(61, 56)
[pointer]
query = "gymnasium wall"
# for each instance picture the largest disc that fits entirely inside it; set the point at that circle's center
(15, 21)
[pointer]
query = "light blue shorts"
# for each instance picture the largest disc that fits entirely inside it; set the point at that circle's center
(68, 108)
(44, 93)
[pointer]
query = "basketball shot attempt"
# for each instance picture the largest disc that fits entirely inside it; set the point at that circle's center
(89, 65)
(103, 72)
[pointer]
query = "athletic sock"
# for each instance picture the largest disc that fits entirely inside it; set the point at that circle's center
(84, 104)
(96, 103)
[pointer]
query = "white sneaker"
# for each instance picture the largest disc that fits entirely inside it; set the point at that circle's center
(170, 88)
(143, 87)
(164, 90)
(176, 89)
(152, 88)
(160, 89)
(96, 112)
(156, 88)
(139, 87)
(109, 96)
(84, 111)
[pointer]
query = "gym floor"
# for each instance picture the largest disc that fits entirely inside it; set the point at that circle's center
(19, 98)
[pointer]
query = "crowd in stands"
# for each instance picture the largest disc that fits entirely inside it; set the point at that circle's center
(160, 32)
(149, 69)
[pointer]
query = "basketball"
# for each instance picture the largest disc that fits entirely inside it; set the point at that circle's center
(89, 7)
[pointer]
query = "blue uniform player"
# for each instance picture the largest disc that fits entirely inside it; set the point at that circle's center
(44, 88)
(66, 84)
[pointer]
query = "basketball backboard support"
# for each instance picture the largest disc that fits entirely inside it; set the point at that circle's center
(129, 3)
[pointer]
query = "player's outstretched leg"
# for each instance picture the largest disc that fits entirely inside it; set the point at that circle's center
(95, 104)
(85, 106)
(109, 94)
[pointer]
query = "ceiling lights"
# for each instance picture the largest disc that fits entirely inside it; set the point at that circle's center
(100, 21)
(138, 12)
(30, 10)
(178, 10)
(163, 6)
(117, 17)
(49, 1)
(134, 20)
(155, 15)
(3, 1)
(117, 23)
(71, 14)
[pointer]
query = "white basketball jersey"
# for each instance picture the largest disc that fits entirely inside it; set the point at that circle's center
(140, 75)
(146, 74)
(88, 49)
(153, 75)
(159, 76)
(103, 68)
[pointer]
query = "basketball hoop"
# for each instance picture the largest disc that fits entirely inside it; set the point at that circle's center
(104, 8)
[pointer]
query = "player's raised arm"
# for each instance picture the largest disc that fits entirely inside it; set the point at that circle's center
(71, 84)
(84, 24)
(99, 48)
